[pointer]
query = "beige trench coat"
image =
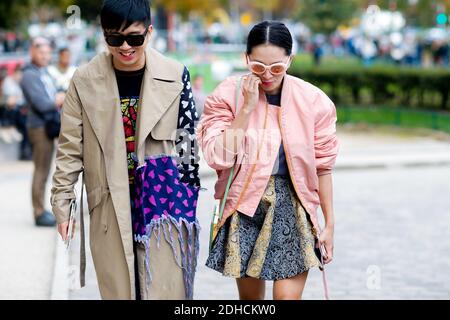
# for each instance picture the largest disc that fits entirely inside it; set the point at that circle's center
(92, 140)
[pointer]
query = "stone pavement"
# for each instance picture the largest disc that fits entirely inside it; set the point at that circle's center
(27, 253)
(385, 147)
(391, 237)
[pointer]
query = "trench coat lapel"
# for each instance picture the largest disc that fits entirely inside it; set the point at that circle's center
(100, 97)
(158, 92)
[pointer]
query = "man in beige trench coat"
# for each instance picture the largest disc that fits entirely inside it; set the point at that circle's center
(128, 126)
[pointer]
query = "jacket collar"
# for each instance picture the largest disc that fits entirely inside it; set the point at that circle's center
(286, 90)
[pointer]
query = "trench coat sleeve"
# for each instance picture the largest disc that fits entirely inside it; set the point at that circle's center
(216, 118)
(69, 155)
(326, 144)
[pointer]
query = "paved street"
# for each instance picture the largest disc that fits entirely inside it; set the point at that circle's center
(391, 237)
(389, 222)
(27, 253)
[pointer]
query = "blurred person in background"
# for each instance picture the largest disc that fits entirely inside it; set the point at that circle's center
(11, 42)
(8, 131)
(318, 52)
(3, 75)
(62, 72)
(15, 104)
(199, 93)
(440, 50)
(42, 98)
(2, 39)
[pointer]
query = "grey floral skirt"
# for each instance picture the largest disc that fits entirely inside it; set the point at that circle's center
(278, 242)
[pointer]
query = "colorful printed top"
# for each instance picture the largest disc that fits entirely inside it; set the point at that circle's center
(129, 83)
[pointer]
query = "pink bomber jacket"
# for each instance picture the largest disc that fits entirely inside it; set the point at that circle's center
(305, 122)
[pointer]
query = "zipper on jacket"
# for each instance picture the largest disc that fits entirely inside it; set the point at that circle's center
(254, 165)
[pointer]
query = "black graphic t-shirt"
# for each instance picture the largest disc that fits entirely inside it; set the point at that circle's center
(129, 83)
(280, 167)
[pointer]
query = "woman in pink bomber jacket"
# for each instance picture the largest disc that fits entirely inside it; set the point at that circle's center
(281, 140)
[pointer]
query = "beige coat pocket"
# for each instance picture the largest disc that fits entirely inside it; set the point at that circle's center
(95, 197)
(97, 211)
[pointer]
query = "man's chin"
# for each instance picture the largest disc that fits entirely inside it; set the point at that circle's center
(127, 63)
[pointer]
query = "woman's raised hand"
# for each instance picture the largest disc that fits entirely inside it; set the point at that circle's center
(250, 88)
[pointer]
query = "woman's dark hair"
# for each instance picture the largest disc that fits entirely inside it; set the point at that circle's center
(270, 32)
(120, 14)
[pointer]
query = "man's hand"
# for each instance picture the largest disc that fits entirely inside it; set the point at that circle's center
(63, 228)
(59, 99)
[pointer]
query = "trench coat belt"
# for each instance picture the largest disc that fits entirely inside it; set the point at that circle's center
(82, 238)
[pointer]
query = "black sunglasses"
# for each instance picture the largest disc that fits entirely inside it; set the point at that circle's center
(134, 40)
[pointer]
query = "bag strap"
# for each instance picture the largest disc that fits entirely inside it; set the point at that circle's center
(230, 178)
(322, 250)
(326, 291)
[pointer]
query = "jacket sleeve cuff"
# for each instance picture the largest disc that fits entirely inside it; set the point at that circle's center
(61, 210)
(223, 156)
(61, 206)
(324, 172)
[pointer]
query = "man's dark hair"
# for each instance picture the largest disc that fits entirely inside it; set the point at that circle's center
(63, 49)
(120, 14)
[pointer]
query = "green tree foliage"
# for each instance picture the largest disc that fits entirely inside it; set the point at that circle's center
(321, 15)
(279, 9)
(422, 13)
(325, 16)
(184, 7)
(12, 11)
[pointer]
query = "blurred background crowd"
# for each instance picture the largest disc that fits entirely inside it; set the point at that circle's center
(401, 31)
(336, 43)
